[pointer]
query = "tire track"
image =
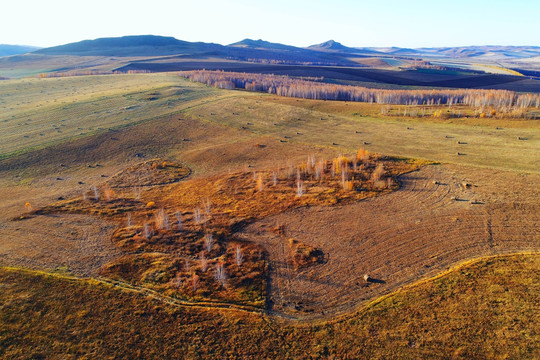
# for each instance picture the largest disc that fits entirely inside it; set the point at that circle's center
(79, 243)
(422, 229)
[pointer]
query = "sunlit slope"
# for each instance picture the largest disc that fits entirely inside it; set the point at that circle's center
(300, 121)
(37, 112)
(482, 310)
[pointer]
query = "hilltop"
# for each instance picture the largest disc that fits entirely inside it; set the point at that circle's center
(261, 44)
(334, 46)
(135, 45)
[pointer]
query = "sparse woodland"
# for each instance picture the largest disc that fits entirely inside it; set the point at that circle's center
(88, 73)
(500, 101)
(181, 243)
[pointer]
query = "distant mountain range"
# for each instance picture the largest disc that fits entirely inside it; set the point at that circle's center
(507, 67)
(329, 52)
(150, 45)
(9, 50)
(467, 51)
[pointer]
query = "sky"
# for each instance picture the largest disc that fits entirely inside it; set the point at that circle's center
(421, 23)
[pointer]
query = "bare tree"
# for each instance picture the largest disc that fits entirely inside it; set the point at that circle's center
(206, 206)
(220, 274)
(197, 216)
(378, 173)
(203, 262)
(238, 255)
(209, 242)
(147, 231)
(162, 219)
(503, 101)
(299, 188)
(177, 281)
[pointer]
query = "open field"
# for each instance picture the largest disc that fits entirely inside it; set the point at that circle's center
(53, 242)
(417, 231)
(381, 71)
(40, 112)
(479, 310)
(309, 122)
(29, 65)
(106, 190)
(352, 75)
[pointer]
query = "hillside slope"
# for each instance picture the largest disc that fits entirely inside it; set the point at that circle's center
(8, 50)
(137, 45)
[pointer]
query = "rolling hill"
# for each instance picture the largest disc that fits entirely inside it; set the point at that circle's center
(330, 52)
(8, 50)
(263, 45)
(158, 215)
(336, 47)
(455, 67)
(331, 45)
(136, 45)
(151, 45)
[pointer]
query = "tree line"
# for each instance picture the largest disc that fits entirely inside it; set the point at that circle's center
(503, 100)
(89, 73)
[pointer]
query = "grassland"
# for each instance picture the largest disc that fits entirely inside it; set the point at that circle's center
(40, 112)
(28, 65)
(333, 125)
(471, 206)
(480, 310)
(82, 106)
(165, 242)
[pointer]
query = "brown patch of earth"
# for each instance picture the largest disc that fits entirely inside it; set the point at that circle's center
(149, 173)
(79, 244)
(430, 224)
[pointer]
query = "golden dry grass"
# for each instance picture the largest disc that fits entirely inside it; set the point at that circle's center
(481, 310)
(469, 314)
(515, 146)
(36, 113)
(162, 233)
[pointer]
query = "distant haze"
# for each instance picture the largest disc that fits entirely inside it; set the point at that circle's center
(423, 23)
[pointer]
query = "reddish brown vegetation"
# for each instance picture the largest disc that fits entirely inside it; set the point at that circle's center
(481, 310)
(304, 255)
(180, 238)
(149, 173)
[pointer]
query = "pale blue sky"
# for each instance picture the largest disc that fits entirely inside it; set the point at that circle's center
(300, 23)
